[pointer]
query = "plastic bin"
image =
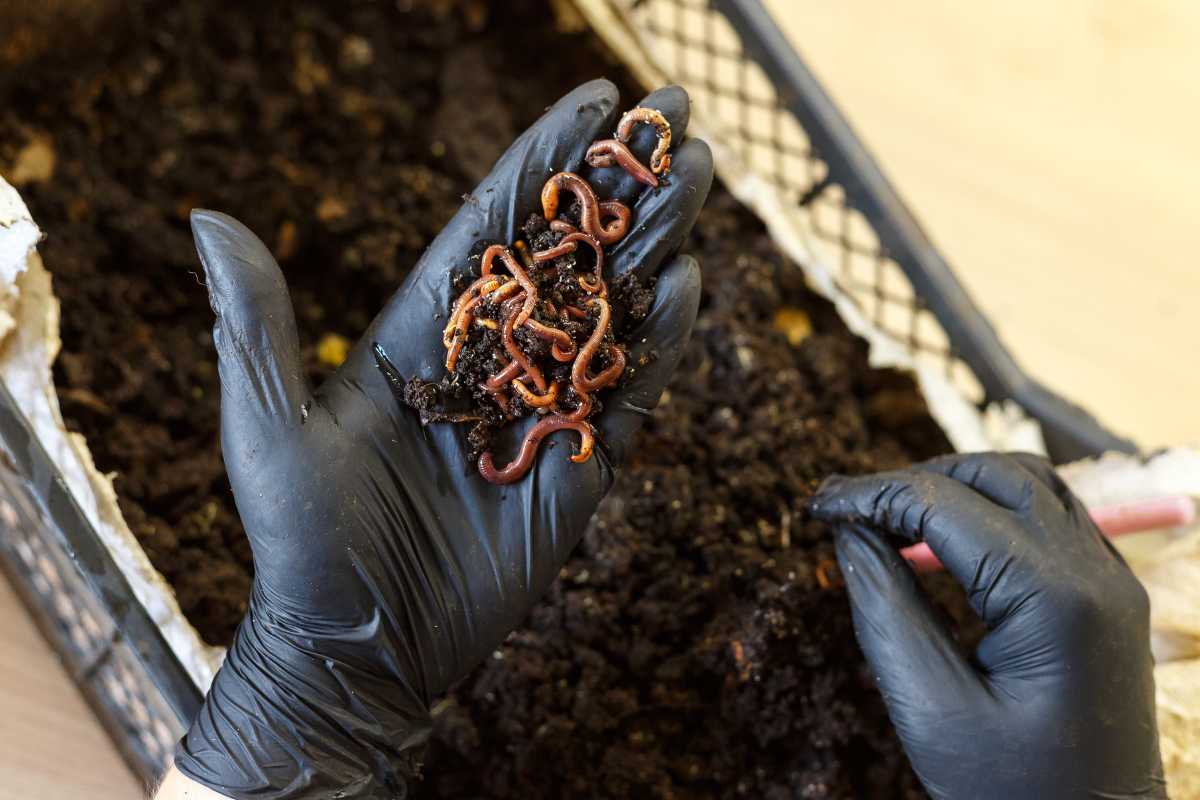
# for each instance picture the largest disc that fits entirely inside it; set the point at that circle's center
(782, 146)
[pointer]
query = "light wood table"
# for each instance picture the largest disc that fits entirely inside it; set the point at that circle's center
(1051, 149)
(51, 747)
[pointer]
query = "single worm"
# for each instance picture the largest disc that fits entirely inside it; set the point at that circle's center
(523, 251)
(532, 398)
(502, 401)
(517, 354)
(590, 207)
(823, 572)
(573, 311)
(582, 410)
(599, 288)
(516, 469)
(455, 309)
(613, 152)
(610, 374)
(497, 382)
(568, 244)
(620, 225)
(459, 336)
(489, 255)
(522, 277)
(660, 160)
(562, 346)
(579, 370)
(504, 291)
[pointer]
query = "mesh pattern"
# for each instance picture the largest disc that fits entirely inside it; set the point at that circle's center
(100, 660)
(756, 138)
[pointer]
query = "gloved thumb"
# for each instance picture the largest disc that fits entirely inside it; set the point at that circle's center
(919, 668)
(263, 387)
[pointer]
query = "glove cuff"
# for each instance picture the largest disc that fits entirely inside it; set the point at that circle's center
(282, 721)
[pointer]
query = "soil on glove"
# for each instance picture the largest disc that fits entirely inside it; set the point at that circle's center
(699, 644)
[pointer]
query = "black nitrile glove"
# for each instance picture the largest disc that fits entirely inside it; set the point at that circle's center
(386, 567)
(1058, 701)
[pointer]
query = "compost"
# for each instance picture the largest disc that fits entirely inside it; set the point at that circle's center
(699, 643)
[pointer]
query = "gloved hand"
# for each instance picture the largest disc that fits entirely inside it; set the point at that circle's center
(1058, 700)
(385, 566)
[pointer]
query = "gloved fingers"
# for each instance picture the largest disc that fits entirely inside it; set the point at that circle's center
(557, 142)
(913, 656)
(983, 546)
(997, 476)
(657, 345)
(1027, 485)
(1090, 533)
(409, 325)
(258, 350)
(1041, 468)
(663, 217)
(615, 183)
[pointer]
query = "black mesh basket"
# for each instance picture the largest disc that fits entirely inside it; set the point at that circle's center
(782, 147)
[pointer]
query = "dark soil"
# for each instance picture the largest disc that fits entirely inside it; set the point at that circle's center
(699, 644)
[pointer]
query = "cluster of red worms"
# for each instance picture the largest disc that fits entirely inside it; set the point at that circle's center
(545, 313)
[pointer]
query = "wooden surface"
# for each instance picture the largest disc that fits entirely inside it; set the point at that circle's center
(51, 748)
(1051, 149)
(1052, 152)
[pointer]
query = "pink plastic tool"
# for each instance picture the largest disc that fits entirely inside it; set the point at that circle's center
(1144, 515)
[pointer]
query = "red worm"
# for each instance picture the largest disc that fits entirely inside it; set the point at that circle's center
(522, 277)
(532, 398)
(580, 379)
(517, 354)
(568, 244)
(590, 205)
(459, 335)
(502, 400)
(582, 410)
(660, 161)
(489, 255)
(457, 308)
(562, 346)
(611, 374)
(599, 288)
(497, 382)
(517, 468)
(613, 152)
(617, 209)
(496, 295)
(517, 271)
(523, 251)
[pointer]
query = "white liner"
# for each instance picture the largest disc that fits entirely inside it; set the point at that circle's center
(29, 343)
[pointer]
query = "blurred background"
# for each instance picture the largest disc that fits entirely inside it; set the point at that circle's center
(1049, 151)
